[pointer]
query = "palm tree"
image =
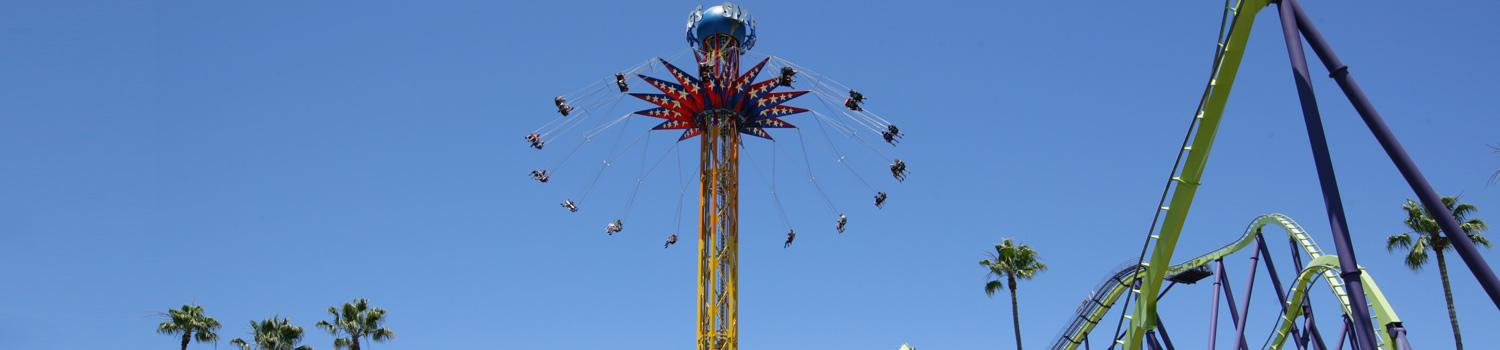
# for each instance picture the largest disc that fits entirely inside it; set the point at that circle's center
(1424, 236)
(1011, 261)
(274, 333)
(356, 320)
(191, 323)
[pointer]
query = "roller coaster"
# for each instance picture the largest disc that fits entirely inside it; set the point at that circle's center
(1369, 320)
(1211, 264)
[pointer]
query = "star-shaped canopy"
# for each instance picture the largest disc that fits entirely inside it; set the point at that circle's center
(755, 104)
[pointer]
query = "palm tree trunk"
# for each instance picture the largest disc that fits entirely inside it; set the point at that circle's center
(353, 342)
(1015, 311)
(186, 336)
(1458, 340)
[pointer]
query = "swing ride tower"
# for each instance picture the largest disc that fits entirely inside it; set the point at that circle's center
(718, 231)
(717, 102)
(718, 105)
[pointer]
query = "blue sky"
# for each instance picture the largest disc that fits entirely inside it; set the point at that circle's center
(281, 157)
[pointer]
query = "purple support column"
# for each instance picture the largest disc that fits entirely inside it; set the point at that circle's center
(1151, 341)
(1296, 254)
(1399, 333)
(1241, 322)
(1332, 202)
(1165, 338)
(1312, 326)
(1408, 168)
(1342, 331)
(1213, 319)
(1260, 244)
(1234, 313)
(1305, 337)
(1352, 344)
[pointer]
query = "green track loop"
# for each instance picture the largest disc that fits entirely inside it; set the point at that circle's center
(1322, 265)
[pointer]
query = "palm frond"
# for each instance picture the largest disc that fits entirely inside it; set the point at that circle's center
(1496, 176)
(1414, 216)
(206, 336)
(168, 328)
(993, 286)
(328, 327)
(1474, 226)
(1461, 211)
(1417, 256)
(1398, 241)
(383, 334)
(1480, 240)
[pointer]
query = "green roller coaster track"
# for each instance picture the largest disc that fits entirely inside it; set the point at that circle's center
(1231, 50)
(1103, 299)
(1183, 185)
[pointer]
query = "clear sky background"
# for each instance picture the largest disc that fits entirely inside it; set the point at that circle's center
(264, 158)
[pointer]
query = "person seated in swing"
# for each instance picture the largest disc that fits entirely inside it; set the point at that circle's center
(856, 96)
(562, 105)
(705, 69)
(540, 175)
(790, 235)
(670, 241)
(842, 221)
(786, 76)
(898, 170)
(568, 203)
(879, 200)
(620, 81)
(891, 134)
(852, 105)
(536, 140)
(614, 227)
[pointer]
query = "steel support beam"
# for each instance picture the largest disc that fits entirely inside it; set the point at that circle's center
(1260, 245)
(1243, 320)
(1333, 203)
(1151, 342)
(1213, 318)
(1342, 332)
(1166, 339)
(1398, 333)
(1312, 327)
(1234, 313)
(1408, 167)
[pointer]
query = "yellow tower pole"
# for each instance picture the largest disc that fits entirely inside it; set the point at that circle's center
(718, 238)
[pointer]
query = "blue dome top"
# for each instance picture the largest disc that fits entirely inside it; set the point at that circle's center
(727, 19)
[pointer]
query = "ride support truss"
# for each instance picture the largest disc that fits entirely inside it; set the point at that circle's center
(718, 231)
(1187, 175)
(1211, 265)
